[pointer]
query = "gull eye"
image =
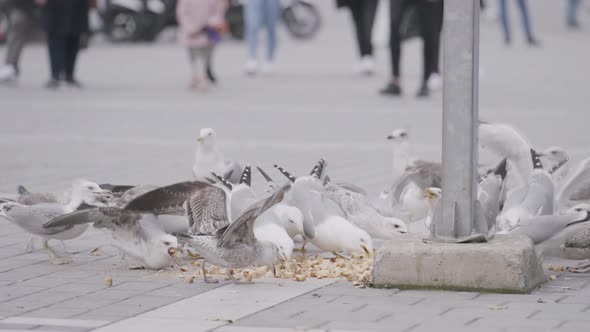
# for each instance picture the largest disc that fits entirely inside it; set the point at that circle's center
(396, 226)
(90, 187)
(363, 240)
(166, 243)
(403, 135)
(291, 220)
(209, 134)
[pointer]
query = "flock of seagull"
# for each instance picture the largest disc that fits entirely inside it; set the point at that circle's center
(219, 217)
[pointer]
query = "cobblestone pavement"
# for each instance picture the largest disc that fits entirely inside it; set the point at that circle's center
(136, 122)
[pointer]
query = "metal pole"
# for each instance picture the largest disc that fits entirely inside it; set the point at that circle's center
(460, 119)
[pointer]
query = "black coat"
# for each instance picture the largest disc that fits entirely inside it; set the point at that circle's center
(66, 17)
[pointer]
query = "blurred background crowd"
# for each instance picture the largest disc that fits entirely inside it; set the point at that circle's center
(67, 26)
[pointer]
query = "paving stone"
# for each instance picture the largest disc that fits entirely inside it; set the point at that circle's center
(135, 305)
(56, 312)
(11, 292)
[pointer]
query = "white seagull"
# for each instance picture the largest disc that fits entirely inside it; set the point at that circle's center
(31, 218)
(209, 159)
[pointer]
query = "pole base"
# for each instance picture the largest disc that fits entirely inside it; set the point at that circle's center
(505, 264)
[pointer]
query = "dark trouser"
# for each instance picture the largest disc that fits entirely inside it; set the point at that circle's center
(363, 15)
(430, 17)
(20, 27)
(63, 51)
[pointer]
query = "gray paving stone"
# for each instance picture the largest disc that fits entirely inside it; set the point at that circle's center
(11, 292)
(134, 305)
(10, 326)
(56, 312)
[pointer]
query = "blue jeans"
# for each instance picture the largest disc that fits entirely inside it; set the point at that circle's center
(526, 22)
(572, 9)
(258, 14)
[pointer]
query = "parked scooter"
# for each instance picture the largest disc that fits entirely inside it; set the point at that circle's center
(135, 20)
(302, 19)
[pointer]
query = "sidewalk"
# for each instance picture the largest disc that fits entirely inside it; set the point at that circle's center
(136, 123)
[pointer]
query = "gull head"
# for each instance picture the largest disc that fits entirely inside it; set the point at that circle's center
(395, 226)
(359, 241)
(206, 137)
(507, 221)
(398, 135)
(553, 158)
(432, 194)
(582, 207)
(91, 193)
(291, 219)
(169, 244)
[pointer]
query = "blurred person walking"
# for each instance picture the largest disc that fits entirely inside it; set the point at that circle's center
(429, 15)
(363, 16)
(20, 16)
(201, 23)
(65, 22)
(526, 22)
(572, 13)
(259, 14)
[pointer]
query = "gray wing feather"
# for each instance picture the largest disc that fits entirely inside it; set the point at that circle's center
(241, 231)
(542, 228)
(111, 218)
(352, 187)
(207, 211)
(166, 200)
(579, 240)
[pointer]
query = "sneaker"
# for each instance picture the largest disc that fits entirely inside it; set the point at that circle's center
(367, 65)
(391, 90)
(8, 74)
(434, 82)
(423, 92)
(533, 42)
(52, 84)
(251, 67)
(73, 83)
(267, 68)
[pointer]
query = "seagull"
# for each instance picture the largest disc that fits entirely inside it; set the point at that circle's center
(280, 224)
(536, 198)
(359, 211)
(489, 190)
(236, 245)
(209, 159)
(432, 196)
(136, 235)
(32, 218)
(401, 152)
(576, 189)
(322, 227)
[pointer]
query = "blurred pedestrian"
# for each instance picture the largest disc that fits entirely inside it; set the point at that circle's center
(201, 23)
(572, 13)
(526, 22)
(20, 16)
(65, 22)
(429, 17)
(259, 14)
(363, 16)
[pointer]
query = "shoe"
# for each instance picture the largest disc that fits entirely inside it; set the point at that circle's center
(573, 24)
(391, 89)
(52, 84)
(367, 65)
(267, 68)
(73, 83)
(533, 42)
(434, 82)
(8, 74)
(423, 92)
(251, 67)
(210, 74)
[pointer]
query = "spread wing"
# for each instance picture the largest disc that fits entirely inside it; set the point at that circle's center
(206, 210)
(166, 200)
(241, 231)
(111, 218)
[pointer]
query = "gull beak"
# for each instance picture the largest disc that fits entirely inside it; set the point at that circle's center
(200, 139)
(370, 253)
(428, 193)
(175, 252)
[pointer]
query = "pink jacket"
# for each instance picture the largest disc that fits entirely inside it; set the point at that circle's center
(194, 15)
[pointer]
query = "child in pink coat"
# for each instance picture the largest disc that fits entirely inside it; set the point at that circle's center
(201, 22)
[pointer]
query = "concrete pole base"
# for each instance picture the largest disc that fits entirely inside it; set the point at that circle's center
(506, 264)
